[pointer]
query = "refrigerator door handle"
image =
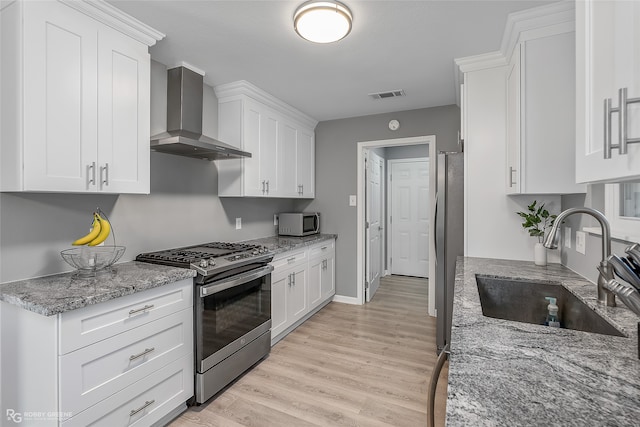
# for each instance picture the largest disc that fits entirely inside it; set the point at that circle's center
(435, 228)
(433, 384)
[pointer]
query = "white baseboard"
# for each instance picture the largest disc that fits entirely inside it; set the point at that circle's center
(346, 300)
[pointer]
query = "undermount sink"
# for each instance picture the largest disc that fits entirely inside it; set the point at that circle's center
(523, 301)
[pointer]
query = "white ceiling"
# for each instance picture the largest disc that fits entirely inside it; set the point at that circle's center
(396, 44)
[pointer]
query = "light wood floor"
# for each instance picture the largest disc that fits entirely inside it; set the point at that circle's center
(346, 366)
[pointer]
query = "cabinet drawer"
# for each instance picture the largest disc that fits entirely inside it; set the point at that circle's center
(290, 258)
(160, 392)
(322, 249)
(94, 373)
(79, 328)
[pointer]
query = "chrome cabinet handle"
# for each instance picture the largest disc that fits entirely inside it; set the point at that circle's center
(104, 181)
(146, 404)
(290, 260)
(263, 186)
(511, 171)
(92, 168)
(623, 111)
(267, 186)
(144, 353)
(140, 310)
(607, 128)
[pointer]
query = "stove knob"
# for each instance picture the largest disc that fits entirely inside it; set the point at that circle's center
(204, 263)
(256, 252)
(212, 262)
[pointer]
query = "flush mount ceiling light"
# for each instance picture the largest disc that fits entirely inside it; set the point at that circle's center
(322, 21)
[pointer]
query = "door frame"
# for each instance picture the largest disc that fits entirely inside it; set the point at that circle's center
(430, 140)
(388, 205)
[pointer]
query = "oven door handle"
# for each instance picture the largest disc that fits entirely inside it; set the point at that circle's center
(234, 281)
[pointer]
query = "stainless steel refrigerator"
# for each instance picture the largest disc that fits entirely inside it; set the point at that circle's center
(449, 227)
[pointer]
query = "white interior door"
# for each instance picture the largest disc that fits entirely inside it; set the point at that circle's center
(410, 217)
(373, 196)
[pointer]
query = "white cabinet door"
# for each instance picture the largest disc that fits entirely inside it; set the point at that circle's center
(123, 114)
(541, 115)
(608, 58)
(261, 140)
(315, 281)
(305, 163)
(297, 305)
(287, 150)
(60, 98)
(513, 124)
(328, 277)
(279, 288)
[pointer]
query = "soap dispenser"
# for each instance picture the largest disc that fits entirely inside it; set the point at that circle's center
(552, 318)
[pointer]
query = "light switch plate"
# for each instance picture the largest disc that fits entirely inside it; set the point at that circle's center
(567, 237)
(353, 200)
(238, 223)
(581, 243)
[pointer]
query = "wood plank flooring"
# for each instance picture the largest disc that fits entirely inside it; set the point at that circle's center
(346, 366)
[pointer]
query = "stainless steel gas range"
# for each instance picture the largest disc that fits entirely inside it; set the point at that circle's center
(232, 305)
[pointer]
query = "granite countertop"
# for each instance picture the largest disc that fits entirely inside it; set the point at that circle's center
(58, 293)
(509, 373)
(280, 244)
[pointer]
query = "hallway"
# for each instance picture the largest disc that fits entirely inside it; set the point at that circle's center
(346, 366)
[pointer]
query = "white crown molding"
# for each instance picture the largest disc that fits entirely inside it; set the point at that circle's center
(551, 15)
(243, 87)
(117, 19)
(554, 18)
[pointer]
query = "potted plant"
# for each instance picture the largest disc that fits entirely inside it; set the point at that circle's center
(537, 221)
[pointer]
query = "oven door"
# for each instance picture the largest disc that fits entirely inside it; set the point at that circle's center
(230, 314)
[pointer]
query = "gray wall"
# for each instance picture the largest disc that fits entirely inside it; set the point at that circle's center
(182, 209)
(336, 146)
(586, 264)
(407, 152)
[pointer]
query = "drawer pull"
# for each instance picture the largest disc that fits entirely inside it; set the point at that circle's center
(144, 353)
(291, 259)
(140, 310)
(324, 248)
(146, 404)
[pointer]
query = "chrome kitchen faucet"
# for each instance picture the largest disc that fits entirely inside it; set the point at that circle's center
(605, 269)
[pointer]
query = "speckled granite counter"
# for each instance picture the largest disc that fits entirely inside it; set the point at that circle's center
(55, 294)
(510, 373)
(280, 244)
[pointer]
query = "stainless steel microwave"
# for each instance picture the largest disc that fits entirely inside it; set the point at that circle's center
(298, 224)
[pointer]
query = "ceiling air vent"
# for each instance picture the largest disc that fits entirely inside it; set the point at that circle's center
(388, 94)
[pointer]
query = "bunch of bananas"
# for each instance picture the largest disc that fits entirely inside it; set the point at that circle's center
(99, 232)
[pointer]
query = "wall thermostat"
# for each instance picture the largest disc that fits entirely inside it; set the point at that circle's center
(394, 124)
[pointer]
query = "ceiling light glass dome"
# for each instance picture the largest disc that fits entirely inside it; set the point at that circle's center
(322, 21)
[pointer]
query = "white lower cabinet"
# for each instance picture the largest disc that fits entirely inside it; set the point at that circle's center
(302, 282)
(127, 361)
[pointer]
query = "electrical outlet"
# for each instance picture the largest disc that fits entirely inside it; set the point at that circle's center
(353, 200)
(581, 243)
(238, 223)
(275, 219)
(567, 237)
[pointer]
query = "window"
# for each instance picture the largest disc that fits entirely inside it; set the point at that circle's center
(622, 208)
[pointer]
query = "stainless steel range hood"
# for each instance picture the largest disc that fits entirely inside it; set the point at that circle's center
(184, 121)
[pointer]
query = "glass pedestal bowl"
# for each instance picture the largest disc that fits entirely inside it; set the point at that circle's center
(90, 260)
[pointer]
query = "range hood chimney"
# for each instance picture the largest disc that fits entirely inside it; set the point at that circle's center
(184, 121)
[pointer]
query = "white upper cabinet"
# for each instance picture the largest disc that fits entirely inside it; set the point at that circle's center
(280, 139)
(75, 98)
(608, 59)
(541, 108)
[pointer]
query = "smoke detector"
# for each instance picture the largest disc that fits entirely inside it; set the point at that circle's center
(387, 94)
